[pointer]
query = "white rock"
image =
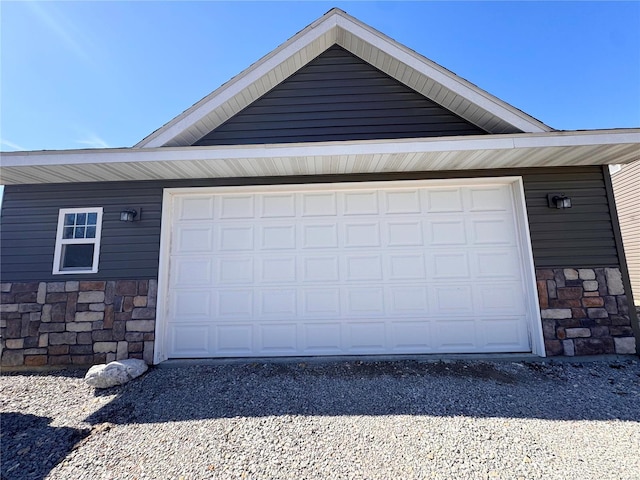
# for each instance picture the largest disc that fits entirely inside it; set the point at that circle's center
(115, 373)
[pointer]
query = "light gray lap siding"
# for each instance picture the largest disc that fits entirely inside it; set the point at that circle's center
(579, 237)
(338, 96)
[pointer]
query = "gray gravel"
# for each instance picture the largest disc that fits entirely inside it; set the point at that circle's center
(351, 420)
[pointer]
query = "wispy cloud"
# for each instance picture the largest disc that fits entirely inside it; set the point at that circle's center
(92, 140)
(11, 145)
(62, 27)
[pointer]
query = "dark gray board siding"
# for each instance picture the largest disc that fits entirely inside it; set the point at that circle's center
(338, 96)
(578, 237)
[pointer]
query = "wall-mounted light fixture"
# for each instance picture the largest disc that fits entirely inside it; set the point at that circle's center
(558, 200)
(130, 215)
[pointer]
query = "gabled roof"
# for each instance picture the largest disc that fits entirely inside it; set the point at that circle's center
(338, 28)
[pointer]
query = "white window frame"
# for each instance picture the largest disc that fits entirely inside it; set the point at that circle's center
(60, 242)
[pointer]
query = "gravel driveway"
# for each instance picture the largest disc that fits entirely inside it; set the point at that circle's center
(351, 420)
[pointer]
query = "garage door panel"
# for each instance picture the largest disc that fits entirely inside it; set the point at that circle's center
(346, 271)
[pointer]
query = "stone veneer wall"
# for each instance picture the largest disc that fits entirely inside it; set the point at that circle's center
(584, 312)
(77, 322)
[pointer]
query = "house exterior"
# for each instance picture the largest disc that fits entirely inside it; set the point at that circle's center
(342, 196)
(626, 182)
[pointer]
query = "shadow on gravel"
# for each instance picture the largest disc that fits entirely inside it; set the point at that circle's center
(31, 447)
(476, 389)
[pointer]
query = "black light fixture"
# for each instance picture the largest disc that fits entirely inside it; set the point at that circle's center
(558, 200)
(129, 215)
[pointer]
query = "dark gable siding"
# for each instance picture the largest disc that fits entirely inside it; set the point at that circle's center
(579, 237)
(338, 96)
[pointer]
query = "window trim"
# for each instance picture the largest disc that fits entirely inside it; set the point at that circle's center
(60, 242)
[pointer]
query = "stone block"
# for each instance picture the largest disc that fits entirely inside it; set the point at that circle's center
(568, 347)
(126, 287)
(549, 329)
(29, 307)
(84, 338)
(558, 277)
(623, 305)
(625, 345)
(72, 286)
(59, 360)
(570, 274)
(544, 274)
(82, 307)
(602, 282)
(143, 313)
(127, 304)
(578, 313)
(90, 297)
(569, 303)
(35, 351)
(13, 329)
(81, 350)
(82, 359)
(134, 337)
(621, 331)
(614, 281)
(543, 294)
(9, 307)
(122, 351)
(6, 298)
(569, 293)
(141, 325)
(56, 297)
(56, 286)
(111, 357)
(97, 307)
(620, 320)
(590, 286)
(587, 274)
(58, 349)
(555, 313)
(599, 331)
(147, 353)
(72, 306)
(78, 327)
(35, 360)
(5, 287)
(14, 343)
(105, 347)
(42, 293)
(561, 333)
(34, 328)
(149, 337)
(122, 316)
(118, 302)
(552, 289)
(62, 338)
(43, 340)
(58, 312)
(108, 316)
(12, 358)
(119, 330)
(99, 325)
(91, 285)
(143, 287)
(89, 316)
(99, 358)
(102, 335)
(109, 292)
(25, 297)
(152, 295)
(25, 287)
(46, 313)
(553, 347)
(597, 313)
(591, 294)
(140, 301)
(51, 327)
(594, 346)
(610, 304)
(137, 355)
(592, 301)
(135, 347)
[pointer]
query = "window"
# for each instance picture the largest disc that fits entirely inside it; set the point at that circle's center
(78, 240)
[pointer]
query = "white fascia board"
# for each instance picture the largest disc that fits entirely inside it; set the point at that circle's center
(237, 84)
(322, 149)
(447, 79)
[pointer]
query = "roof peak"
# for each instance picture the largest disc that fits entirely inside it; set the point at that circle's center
(336, 27)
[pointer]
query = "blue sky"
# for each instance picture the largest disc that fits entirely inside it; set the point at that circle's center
(106, 74)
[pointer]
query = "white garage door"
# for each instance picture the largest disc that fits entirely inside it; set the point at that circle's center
(385, 268)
